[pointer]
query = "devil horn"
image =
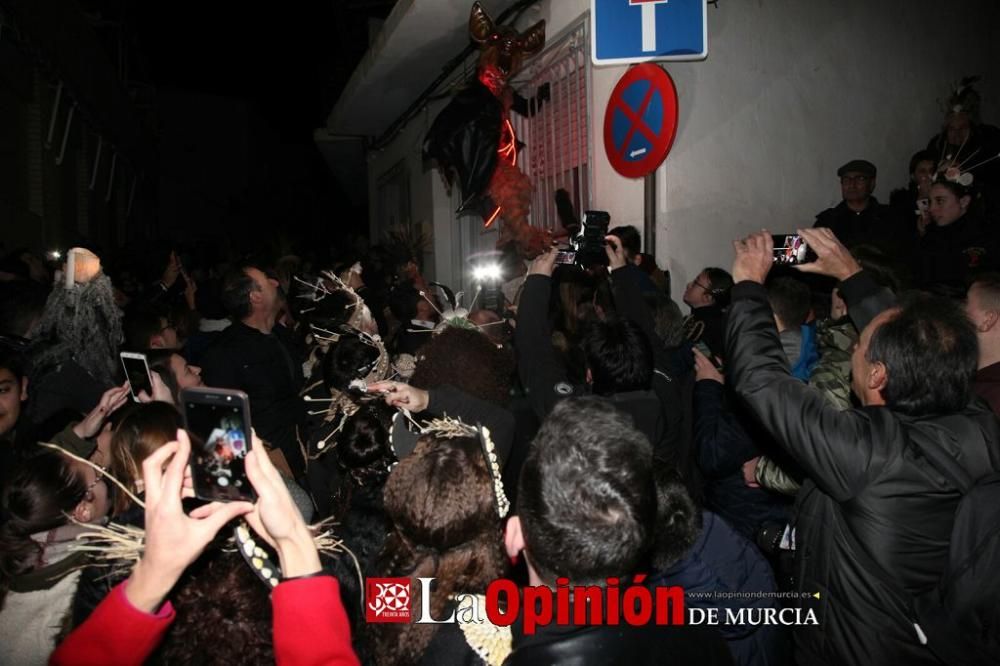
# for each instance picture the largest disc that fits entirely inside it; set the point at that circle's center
(533, 39)
(480, 24)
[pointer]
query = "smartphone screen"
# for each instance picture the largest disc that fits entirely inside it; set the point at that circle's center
(218, 423)
(565, 257)
(137, 373)
(789, 249)
(703, 348)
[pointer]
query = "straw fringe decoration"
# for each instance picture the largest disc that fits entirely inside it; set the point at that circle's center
(120, 547)
(97, 468)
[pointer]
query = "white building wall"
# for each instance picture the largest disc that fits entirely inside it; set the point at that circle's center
(425, 188)
(430, 204)
(790, 91)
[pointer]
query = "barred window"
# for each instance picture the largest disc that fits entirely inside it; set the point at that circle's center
(556, 153)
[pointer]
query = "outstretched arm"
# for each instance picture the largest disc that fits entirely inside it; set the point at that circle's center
(865, 299)
(127, 626)
(540, 371)
(834, 448)
(628, 297)
(310, 624)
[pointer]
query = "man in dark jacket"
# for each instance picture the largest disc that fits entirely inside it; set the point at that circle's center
(587, 511)
(255, 356)
(619, 354)
(859, 219)
(872, 506)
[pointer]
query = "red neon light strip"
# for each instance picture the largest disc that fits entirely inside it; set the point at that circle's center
(492, 218)
(509, 150)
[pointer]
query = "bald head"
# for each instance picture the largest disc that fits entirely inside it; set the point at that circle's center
(982, 306)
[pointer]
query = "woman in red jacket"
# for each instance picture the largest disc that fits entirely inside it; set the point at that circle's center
(310, 626)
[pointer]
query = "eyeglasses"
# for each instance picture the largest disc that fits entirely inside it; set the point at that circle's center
(97, 479)
(708, 288)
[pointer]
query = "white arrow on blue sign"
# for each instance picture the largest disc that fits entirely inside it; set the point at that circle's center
(629, 31)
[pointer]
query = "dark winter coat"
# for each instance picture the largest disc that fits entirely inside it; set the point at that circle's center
(722, 445)
(545, 379)
(948, 256)
(268, 369)
(875, 225)
(862, 478)
(723, 562)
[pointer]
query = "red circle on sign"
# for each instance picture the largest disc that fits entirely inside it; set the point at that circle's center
(661, 141)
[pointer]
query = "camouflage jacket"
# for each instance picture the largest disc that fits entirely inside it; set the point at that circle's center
(832, 376)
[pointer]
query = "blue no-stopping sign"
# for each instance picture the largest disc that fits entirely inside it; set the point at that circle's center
(641, 120)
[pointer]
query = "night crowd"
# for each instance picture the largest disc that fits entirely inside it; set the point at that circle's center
(805, 437)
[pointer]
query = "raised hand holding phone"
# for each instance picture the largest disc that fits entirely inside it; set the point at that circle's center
(161, 392)
(173, 538)
(754, 257)
(705, 369)
(544, 263)
(218, 421)
(832, 258)
(276, 519)
(137, 374)
(112, 399)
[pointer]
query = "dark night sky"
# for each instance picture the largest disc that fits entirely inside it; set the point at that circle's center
(288, 62)
(291, 61)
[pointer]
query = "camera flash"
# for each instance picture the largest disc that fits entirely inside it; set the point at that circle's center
(55, 255)
(487, 272)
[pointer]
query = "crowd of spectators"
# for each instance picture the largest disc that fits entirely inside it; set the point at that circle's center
(785, 435)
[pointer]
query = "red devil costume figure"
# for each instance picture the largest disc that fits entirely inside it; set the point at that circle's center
(472, 139)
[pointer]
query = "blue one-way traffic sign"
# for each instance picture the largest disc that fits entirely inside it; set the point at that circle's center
(628, 31)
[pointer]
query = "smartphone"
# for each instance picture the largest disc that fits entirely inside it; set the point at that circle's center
(790, 249)
(703, 348)
(218, 423)
(137, 373)
(566, 257)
